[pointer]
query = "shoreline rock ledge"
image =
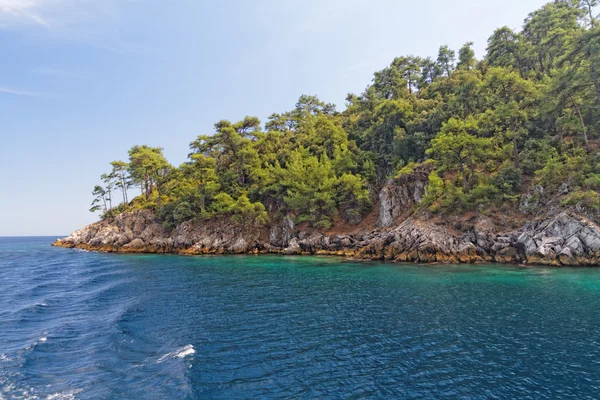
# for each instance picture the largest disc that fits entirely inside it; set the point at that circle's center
(567, 239)
(392, 232)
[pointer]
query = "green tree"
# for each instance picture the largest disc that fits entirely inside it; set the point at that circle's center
(510, 103)
(309, 189)
(430, 71)
(445, 59)
(109, 185)
(100, 202)
(466, 57)
(454, 148)
(548, 30)
(147, 166)
(119, 169)
(508, 49)
(247, 213)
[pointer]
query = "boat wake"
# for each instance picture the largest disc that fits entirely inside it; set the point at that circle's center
(182, 352)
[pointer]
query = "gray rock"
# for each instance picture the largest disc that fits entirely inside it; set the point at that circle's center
(400, 195)
(293, 248)
(567, 239)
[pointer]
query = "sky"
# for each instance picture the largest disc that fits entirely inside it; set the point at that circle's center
(81, 81)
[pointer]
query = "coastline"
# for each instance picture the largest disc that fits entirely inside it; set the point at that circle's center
(566, 239)
(344, 255)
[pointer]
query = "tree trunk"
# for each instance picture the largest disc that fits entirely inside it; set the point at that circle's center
(541, 61)
(146, 186)
(516, 153)
(519, 63)
(594, 76)
(124, 187)
(585, 138)
(461, 168)
(591, 14)
(515, 144)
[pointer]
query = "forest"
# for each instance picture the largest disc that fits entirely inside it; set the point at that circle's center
(524, 118)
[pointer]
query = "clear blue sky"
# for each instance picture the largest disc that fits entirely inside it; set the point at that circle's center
(82, 81)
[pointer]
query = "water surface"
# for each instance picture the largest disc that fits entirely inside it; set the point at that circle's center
(98, 326)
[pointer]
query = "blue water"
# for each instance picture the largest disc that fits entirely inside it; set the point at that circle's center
(97, 326)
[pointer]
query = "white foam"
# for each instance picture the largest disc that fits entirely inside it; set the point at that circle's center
(70, 395)
(43, 339)
(186, 351)
(182, 352)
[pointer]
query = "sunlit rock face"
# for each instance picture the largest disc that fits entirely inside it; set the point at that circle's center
(565, 239)
(396, 231)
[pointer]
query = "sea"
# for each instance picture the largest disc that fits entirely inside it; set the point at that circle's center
(82, 325)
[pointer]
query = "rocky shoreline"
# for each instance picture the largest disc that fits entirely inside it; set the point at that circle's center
(393, 232)
(563, 240)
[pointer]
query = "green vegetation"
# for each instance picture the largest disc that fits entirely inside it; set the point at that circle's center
(527, 114)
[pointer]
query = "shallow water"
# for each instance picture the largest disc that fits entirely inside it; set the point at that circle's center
(98, 326)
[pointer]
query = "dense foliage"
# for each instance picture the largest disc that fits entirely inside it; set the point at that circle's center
(527, 114)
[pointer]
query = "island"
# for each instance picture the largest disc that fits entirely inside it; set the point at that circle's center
(447, 160)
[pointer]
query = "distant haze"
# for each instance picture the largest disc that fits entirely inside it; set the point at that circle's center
(80, 83)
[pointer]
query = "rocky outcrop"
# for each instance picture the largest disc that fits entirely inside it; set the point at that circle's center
(563, 240)
(566, 239)
(400, 195)
(555, 238)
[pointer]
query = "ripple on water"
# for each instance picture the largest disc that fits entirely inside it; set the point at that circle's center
(182, 352)
(86, 325)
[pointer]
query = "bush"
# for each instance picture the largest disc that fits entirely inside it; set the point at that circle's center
(553, 174)
(593, 181)
(248, 213)
(536, 154)
(221, 204)
(484, 194)
(443, 196)
(588, 199)
(433, 190)
(174, 213)
(508, 180)
(353, 196)
(406, 170)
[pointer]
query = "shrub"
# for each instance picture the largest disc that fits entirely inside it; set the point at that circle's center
(483, 194)
(588, 199)
(508, 180)
(353, 196)
(593, 181)
(248, 213)
(174, 213)
(406, 170)
(222, 203)
(553, 173)
(443, 196)
(536, 154)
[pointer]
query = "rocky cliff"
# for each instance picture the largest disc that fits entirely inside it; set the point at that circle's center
(565, 238)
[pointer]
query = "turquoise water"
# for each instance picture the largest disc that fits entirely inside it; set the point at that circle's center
(98, 326)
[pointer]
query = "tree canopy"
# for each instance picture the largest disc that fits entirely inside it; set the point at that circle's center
(527, 113)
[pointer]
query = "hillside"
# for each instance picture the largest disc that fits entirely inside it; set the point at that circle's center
(445, 159)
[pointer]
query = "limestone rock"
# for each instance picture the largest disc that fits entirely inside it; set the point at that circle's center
(400, 195)
(563, 239)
